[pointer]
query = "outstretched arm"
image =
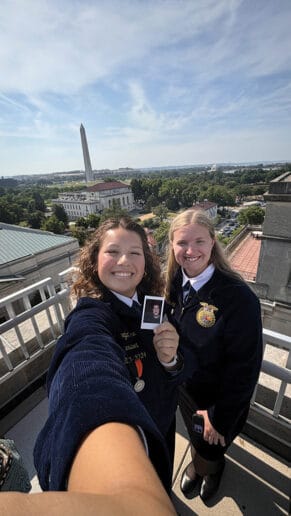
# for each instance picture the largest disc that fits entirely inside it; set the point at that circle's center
(111, 474)
(112, 461)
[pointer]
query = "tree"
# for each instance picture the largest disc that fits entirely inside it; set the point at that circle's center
(259, 190)
(161, 233)
(54, 225)
(152, 201)
(172, 203)
(161, 212)
(82, 222)
(6, 213)
(251, 215)
(93, 220)
(114, 211)
(36, 219)
(138, 190)
(189, 195)
(39, 201)
(81, 234)
(220, 195)
(60, 213)
(243, 191)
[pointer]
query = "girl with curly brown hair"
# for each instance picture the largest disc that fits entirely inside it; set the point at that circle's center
(104, 361)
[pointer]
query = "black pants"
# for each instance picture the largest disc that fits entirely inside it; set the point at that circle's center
(170, 440)
(209, 452)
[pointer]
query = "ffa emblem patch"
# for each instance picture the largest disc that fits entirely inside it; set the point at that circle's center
(205, 315)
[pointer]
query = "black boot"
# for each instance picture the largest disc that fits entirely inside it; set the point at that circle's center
(189, 481)
(210, 483)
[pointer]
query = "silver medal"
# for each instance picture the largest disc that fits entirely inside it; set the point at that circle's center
(139, 385)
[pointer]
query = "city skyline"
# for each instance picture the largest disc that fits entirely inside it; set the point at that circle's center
(161, 83)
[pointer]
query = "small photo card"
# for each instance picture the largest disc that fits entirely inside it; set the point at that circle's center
(152, 312)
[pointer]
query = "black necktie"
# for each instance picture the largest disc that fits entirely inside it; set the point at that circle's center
(136, 308)
(188, 292)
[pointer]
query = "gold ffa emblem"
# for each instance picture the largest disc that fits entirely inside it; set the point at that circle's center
(205, 315)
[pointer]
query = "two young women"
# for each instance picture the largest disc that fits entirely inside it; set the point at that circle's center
(104, 355)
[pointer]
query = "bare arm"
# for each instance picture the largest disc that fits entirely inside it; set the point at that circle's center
(111, 474)
(112, 461)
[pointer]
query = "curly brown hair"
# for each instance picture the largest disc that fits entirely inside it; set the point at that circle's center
(88, 282)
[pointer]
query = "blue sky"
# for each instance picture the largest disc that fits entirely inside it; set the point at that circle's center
(156, 82)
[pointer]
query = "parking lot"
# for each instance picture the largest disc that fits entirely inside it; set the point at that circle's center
(228, 228)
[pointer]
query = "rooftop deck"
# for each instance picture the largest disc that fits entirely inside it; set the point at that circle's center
(245, 257)
(256, 480)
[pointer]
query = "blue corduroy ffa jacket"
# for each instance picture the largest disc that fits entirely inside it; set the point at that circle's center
(89, 384)
(223, 360)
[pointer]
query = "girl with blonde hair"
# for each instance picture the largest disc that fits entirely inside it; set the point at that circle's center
(219, 322)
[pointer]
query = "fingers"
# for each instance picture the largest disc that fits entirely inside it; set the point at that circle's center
(166, 347)
(215, 438)
(165, 351)
(166, 332)
(166, 336)
(165, 326)
(222, 440)
(166, 341)
(210, 434)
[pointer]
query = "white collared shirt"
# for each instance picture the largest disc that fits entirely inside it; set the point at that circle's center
(126, 300)
(198, 281)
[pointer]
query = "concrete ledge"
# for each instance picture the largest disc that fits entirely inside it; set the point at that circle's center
(274, 435)
(19, 384)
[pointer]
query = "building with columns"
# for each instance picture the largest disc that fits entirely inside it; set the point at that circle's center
(96, 198)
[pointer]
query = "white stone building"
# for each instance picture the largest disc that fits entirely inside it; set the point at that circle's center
(209, 207)
(96, 198)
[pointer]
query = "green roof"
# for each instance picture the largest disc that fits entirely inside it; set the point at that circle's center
(17, 242)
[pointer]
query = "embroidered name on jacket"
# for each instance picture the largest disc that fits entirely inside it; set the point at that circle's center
(136, 356)
(131, 347)
(127, 335)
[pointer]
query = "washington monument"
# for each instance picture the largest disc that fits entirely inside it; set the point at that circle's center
(87, 161)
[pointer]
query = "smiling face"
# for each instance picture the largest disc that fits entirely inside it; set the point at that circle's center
(192, 246)
(121, 261)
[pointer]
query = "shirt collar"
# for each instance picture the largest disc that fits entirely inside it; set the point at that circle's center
(198, 281)
(126, 300)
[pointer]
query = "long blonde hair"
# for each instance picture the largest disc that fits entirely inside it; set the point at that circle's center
(217, 256)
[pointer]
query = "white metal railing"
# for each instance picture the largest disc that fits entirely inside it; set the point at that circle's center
(33, 319)
(42, 323)
(280, 372)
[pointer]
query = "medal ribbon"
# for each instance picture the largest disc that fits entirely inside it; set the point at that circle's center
(139, 367)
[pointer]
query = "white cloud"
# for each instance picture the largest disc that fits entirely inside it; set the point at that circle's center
(48, 48)
(143, 76)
